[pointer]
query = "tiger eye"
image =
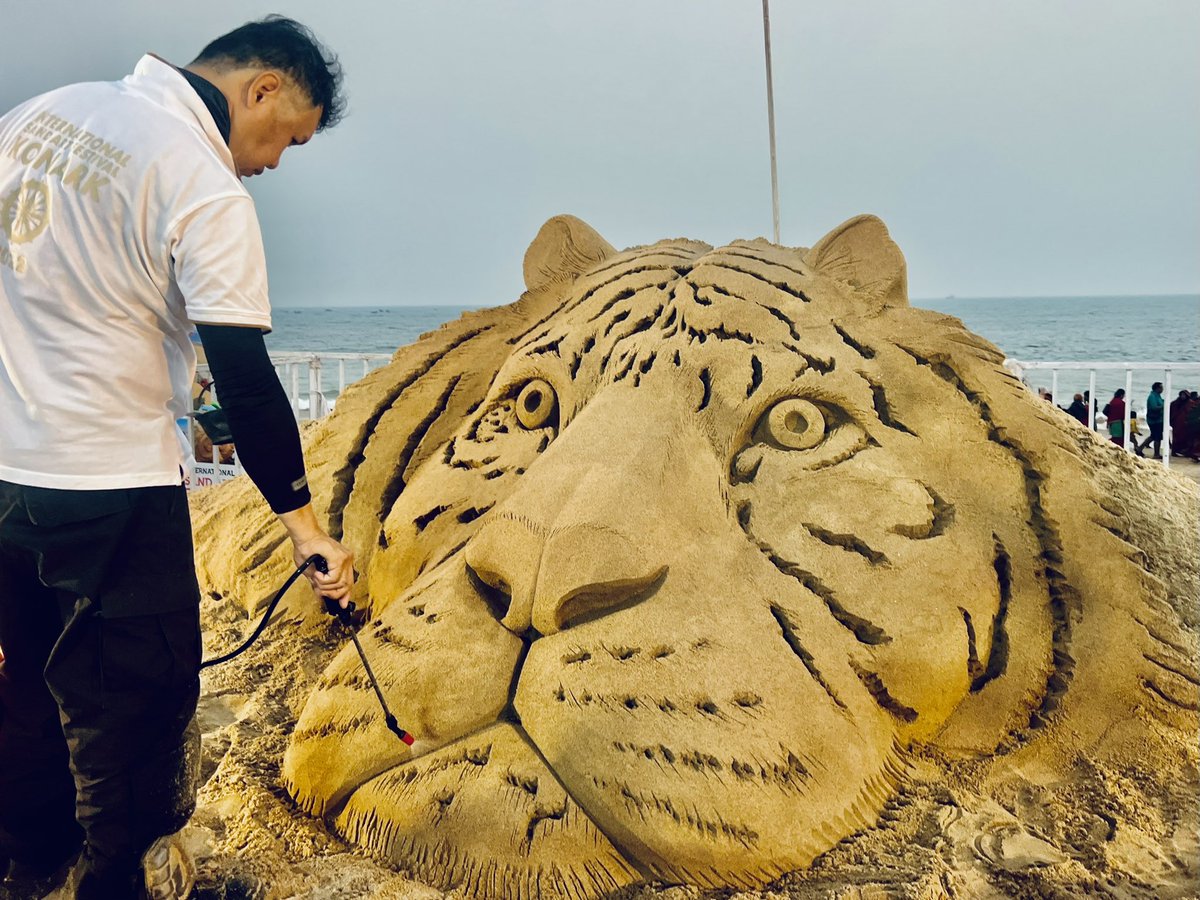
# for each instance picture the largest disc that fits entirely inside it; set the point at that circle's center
(796, 424)
(536, 404)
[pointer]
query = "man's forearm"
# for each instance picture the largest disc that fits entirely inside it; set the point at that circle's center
(301, 524)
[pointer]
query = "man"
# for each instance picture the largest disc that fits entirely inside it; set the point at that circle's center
(1180, 439)
(1191, 428)
(1078, 409)
(123, 221)
(1154, 419)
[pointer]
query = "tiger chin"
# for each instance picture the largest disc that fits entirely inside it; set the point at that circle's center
(672, 563)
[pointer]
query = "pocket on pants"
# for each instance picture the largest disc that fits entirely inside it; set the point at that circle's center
(137, 662)
(181, 632)
(152, 570)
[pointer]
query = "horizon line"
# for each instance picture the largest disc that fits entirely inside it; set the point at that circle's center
(928, 299)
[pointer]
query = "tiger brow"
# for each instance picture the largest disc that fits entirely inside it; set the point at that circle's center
(744, 253)
(781, 286)
(586, 295)
(775, 311)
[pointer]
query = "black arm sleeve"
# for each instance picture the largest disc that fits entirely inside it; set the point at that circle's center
(260, 416)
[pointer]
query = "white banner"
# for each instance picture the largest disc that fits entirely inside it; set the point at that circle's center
(206, 474)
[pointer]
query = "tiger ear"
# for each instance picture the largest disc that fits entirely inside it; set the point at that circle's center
(860, 253)
(565, 248)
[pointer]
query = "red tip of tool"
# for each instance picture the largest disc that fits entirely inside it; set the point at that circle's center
(408, 739)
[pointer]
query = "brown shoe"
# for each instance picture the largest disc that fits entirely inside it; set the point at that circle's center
(24, 881)
(170, 873)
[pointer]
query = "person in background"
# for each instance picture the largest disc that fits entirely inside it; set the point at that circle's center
(1191, 427)
(1078, 409)
(1154, 420)
(201, 391)
(1114, 413)
(99, 600)
(202, 447)
(1175, 417)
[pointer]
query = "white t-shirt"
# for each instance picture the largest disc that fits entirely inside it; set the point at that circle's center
(122, 221)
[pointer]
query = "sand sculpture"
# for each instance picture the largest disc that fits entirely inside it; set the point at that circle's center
(671, 564)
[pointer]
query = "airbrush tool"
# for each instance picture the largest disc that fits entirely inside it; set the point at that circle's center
(346, 617)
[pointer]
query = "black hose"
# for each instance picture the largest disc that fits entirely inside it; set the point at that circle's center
(266, 616)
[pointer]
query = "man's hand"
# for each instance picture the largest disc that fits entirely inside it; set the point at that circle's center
(308, 538)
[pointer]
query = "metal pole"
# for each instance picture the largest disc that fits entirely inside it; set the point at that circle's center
(1091, 400)
(314, 386)
(295, 372)
(771, 119)
(1166, 445)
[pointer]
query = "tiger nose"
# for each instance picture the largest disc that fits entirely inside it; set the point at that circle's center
(548, 579)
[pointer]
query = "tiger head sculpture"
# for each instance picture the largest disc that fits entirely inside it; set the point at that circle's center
(670, 562)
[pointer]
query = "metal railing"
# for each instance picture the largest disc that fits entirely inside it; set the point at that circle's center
(312, 382)
(1072, 373)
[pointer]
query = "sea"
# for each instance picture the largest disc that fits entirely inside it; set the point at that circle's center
(1160, 329)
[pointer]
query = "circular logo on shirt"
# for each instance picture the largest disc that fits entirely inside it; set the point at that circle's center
(25, 213)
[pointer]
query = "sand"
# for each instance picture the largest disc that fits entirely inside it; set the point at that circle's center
(1047, 750)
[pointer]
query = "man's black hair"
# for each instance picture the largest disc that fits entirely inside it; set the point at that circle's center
(278, 42)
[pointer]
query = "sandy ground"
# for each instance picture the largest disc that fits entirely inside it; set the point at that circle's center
(954, 830)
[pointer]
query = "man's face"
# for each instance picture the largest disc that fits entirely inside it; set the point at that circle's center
(269, 115)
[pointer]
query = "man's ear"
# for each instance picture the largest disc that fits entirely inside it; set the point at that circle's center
(264, 86)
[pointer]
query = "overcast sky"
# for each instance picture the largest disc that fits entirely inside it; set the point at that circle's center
(1030, 147)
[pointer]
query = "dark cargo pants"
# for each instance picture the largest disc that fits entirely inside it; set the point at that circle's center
(100, 636)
